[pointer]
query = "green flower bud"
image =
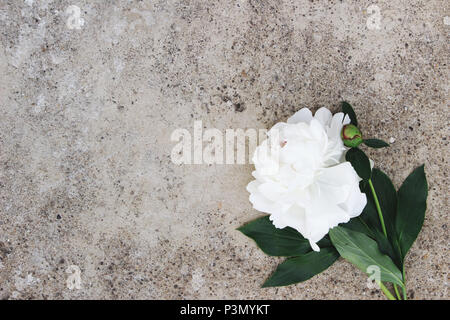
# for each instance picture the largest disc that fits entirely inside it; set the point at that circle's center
(351, 136)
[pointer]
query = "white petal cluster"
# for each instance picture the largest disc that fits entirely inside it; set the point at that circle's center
(301, 177)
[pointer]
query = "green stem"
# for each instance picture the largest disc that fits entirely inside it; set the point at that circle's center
(386, 291)
(377, 204)
(396, 292)
(404, 284)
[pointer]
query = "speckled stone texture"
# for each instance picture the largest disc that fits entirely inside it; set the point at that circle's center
(87, 110)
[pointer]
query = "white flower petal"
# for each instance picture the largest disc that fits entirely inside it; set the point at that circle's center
(321, 216)
(272, 191)
(355, 202)
(346, 119)
(314, 246)
(303, 115)
(336, 126)
(317, 131)
(277, 220)
(252, 187)
(260, 202)
(324, 116)
(266, 158)
(339, 175)
(294, 217)
(335, 194)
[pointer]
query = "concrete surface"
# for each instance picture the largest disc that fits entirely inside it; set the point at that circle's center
(88, 107)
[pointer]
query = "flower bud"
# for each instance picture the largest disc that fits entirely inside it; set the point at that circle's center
(351, 136)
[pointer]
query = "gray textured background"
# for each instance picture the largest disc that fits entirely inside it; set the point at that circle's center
(86, 117)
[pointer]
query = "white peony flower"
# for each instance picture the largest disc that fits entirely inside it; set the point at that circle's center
(302, 178)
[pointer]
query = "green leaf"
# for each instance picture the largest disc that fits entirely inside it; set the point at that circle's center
(363, 252)
(370, 214)
(412, 204)
(375, 143)
(347, 109)
(387, 197)
(360, 225)
(285, 242)
(302, 268)
(389, 248)
(368, 222)
(360, 163)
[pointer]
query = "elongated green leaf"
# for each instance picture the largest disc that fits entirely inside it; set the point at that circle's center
(388, 247)
(302, 268)
(369, 222)
(360, 225)
(370, 214)
(347, 109)
(363, 225)
(385, 246)
(363, 252)
(360, 162)
(412, 204)
(387, 197)
(375, 143)
(285, 242)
